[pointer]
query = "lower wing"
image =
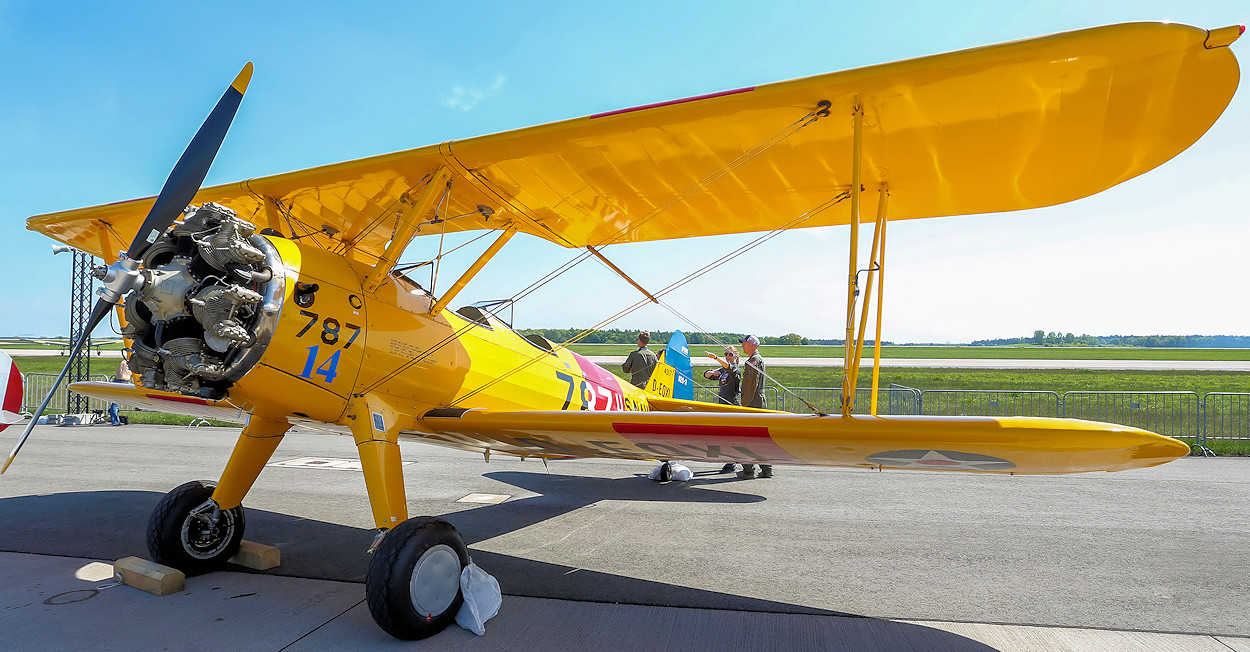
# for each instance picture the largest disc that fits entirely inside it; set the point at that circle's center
(128, 394)
(987, 444)
(1025, 445)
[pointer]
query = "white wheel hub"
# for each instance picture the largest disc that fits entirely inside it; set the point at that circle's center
(435, 580)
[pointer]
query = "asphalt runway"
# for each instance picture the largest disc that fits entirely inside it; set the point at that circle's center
(1153, 550)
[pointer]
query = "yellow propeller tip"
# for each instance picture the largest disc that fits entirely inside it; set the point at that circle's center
(245, 76)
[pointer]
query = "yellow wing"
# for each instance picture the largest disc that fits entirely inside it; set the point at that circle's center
(158, 401)
(1006, 127)
(997, 445)
(1025, 445)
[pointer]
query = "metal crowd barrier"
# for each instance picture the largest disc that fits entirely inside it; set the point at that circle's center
(1225, 416)
(38, 386)
(989, 403)
(1217, 416)
(892, 400)
(1174, 414)
(707, 394)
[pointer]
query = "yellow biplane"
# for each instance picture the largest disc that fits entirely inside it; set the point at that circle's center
(277, 301)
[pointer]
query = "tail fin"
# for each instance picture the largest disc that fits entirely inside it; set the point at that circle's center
(11, 388)
(673, 376)
(661, 381)
(677, 355)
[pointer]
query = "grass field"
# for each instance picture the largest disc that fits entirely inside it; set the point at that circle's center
(110, 345)
(1054, 380)
(926, 352)
(956, 352)
(53, 364)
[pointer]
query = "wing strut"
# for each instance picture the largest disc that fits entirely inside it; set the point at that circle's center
(876, 337)
(854, 347)
(852, 283)
(473, 269)
(621, 273)
(876, 265)
(407, 220)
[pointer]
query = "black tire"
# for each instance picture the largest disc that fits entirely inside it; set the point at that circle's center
(666, 472)
(423, 543)
(177, 539)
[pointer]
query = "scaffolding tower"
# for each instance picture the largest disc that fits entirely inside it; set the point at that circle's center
(79, 314)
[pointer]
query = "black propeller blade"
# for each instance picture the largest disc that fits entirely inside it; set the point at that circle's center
(185, 179)
(180, 188)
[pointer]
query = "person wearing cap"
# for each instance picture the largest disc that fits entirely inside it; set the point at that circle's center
(753, 395)
(730, 378)
(640, 363)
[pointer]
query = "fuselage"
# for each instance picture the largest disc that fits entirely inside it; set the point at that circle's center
(334, 341)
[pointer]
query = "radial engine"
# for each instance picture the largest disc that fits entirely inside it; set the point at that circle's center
(208, 304)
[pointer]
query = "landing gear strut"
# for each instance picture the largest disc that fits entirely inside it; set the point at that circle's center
(188, 532)
(413, 585)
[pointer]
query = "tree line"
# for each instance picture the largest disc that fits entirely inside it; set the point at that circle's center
(1039, 338)
(618, 336)
(1053, 338)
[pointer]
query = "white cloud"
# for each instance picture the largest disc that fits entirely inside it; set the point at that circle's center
(464, 98)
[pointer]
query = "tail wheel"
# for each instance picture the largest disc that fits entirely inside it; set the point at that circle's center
(413, 585)
(188, 533)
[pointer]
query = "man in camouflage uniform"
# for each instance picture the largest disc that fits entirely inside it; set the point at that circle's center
(640, 363)
(730, 378)
(753, 395)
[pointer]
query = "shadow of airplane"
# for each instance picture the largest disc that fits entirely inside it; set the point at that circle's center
(110, 525)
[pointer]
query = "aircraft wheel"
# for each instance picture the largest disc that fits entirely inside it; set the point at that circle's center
(413, 585)
(182, 532)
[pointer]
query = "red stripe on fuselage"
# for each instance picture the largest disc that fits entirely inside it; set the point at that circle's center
(603, 384)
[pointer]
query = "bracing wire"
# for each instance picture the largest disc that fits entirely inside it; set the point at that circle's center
(812, 116)
(668, 289)
(700, 329)
(441, 235)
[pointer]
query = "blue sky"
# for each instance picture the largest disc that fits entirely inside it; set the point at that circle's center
(101, 98)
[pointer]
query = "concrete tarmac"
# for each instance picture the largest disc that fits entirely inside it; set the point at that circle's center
(590, 552)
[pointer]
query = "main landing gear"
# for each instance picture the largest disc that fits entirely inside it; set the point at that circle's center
(413, 585)
(189, 533)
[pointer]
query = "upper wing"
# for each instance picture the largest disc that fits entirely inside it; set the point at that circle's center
(1019, 125)
(1000, 445)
